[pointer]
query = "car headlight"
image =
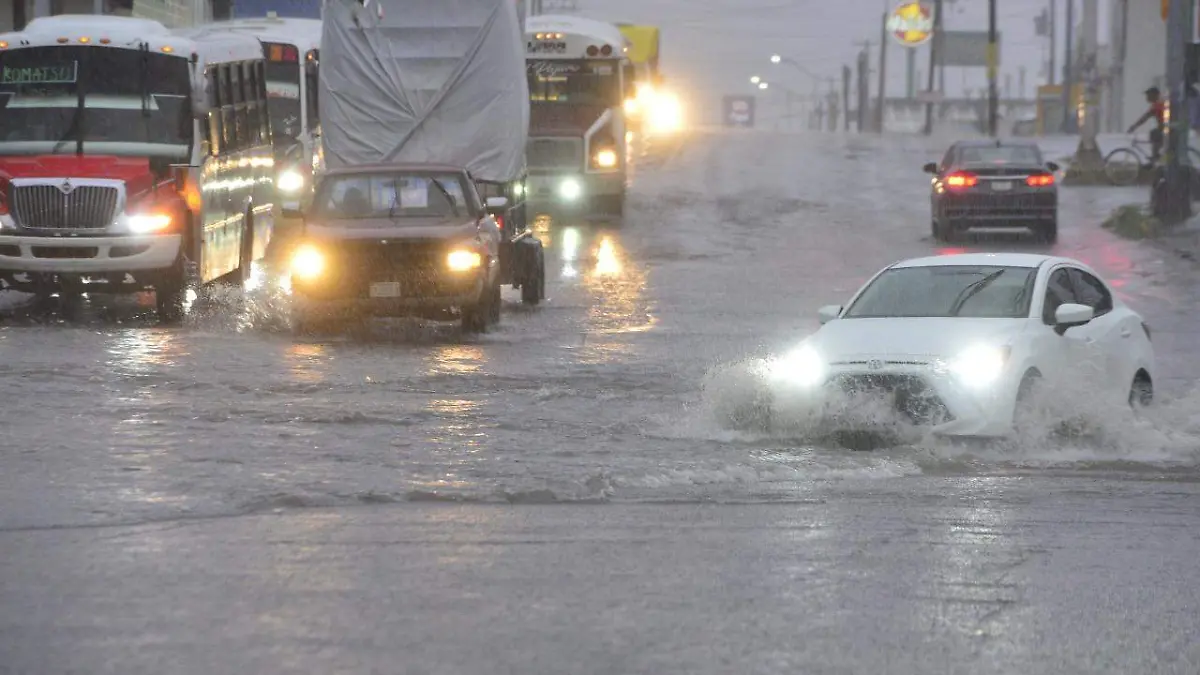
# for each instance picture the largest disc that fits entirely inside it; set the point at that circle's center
(980, 365)
(308, 263)
(290, 181)
(803, 367)
(606, 159)
(570, 189)
(147, 223)
(463, 260)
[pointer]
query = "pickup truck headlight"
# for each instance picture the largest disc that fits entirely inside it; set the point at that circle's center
(308, 262)
(463, 260)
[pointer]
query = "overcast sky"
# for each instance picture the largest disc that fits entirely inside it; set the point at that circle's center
(715, 46)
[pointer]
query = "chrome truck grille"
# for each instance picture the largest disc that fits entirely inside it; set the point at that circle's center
(554, 153)
(65, 206)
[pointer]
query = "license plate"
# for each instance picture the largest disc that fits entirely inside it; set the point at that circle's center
(385, 289)
(1001, 185)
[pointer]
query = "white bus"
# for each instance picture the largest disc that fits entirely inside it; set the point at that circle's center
(576, 154)
(292, 49)
(131, 158)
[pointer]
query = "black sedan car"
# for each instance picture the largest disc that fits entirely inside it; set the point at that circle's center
(994, 184)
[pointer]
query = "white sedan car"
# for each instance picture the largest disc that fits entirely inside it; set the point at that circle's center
(954, 342)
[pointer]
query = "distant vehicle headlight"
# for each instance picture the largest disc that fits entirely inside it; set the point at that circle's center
(570, 189)
(464, 260)
(606, 159)
(290, 181)
(308, 262)
(803, 367)
(981, 365)
(147, 223)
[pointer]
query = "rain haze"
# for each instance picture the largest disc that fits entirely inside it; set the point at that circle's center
(645, 385)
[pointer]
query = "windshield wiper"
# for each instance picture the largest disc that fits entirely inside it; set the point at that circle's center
(970, 291)
(446, 193)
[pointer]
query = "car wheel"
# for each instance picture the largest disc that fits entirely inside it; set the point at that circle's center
(1048, 233)
(533, 290)
(477, 318)
(1141, 392)
(943, 231)
(1023, 410)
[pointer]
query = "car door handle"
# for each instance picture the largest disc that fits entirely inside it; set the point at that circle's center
(1126, 333)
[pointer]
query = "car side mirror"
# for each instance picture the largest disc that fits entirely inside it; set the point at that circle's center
(829, 313)
(1070, 315)
(291, 210)
(930, 168)
(1053, 166)
(496, 204)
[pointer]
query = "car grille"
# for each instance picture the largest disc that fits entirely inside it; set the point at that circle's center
(547, 153)
(419, 268)
(87, 207)
(911, 395)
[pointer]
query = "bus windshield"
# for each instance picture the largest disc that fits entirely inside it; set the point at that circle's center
(107, 100)
(577, 82)
(283, 91)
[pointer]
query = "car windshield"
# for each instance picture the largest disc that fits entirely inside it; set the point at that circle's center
(391, 195)
(992, 292)
(1004, 154)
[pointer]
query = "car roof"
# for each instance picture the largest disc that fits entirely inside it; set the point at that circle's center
(996, 142)
(1030, 260)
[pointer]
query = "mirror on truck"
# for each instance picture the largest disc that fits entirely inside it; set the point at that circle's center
(496, 204)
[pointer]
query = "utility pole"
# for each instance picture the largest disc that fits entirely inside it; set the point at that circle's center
(935, 54)
(1172, 202)
(1053, 40)
(846, 98)
(993, 95)
(864, 87)
(910, 74)
(1070, 124)
(882, 72)
(1088, 154)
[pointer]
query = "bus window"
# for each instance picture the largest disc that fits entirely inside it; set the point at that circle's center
(283, 71)
(311, 70)
(580, 82)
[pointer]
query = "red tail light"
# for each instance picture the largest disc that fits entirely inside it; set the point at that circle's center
(961, 180)
(1040, 180)
(499, 221)
(3, 197)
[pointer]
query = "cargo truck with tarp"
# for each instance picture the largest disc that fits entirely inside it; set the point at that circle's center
(420, 210)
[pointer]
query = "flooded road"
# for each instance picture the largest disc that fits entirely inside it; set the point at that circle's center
(147, 471)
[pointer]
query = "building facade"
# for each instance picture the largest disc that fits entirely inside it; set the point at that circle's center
(173, 13)
(1139, 59)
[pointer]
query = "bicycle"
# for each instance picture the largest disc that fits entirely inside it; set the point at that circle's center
(1123, 166)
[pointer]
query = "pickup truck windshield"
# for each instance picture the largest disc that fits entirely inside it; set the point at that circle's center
(391, 195)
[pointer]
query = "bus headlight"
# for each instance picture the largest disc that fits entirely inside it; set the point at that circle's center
(147, 223)
(290, 181)
(606, 159)
(463, 260)
(570, 189)
(308, 263)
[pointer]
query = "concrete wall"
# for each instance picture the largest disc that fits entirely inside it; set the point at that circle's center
(1145, 62)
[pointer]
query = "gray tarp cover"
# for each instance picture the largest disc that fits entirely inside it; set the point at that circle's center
(425, 81)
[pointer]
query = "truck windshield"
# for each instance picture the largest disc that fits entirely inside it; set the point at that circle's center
(391, 195)
(134, 103)
(283, 76)
(581, 82)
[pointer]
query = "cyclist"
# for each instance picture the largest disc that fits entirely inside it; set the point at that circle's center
(1158, 111)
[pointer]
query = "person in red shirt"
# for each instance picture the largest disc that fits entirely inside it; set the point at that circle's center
(1157, 111)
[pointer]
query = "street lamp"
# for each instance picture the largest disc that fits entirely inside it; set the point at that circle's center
(762, 85)
(755, 79)
(775, 58)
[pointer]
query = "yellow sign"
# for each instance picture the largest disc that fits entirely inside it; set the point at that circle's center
(911, 24)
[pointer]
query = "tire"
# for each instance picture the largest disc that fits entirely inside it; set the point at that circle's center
(1048, 233)
(1117, 163)
(1023, 405)
(246, 258)
(1141, 392)
(943, 232)
(533, 290)
(477, 319)
(169, 295)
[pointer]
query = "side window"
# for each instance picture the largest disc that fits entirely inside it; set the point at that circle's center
(213, 128)
(228, 127)
(310, 94)
(1058, 292)
(239, 105)
(1090, 291)
(264, 119)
